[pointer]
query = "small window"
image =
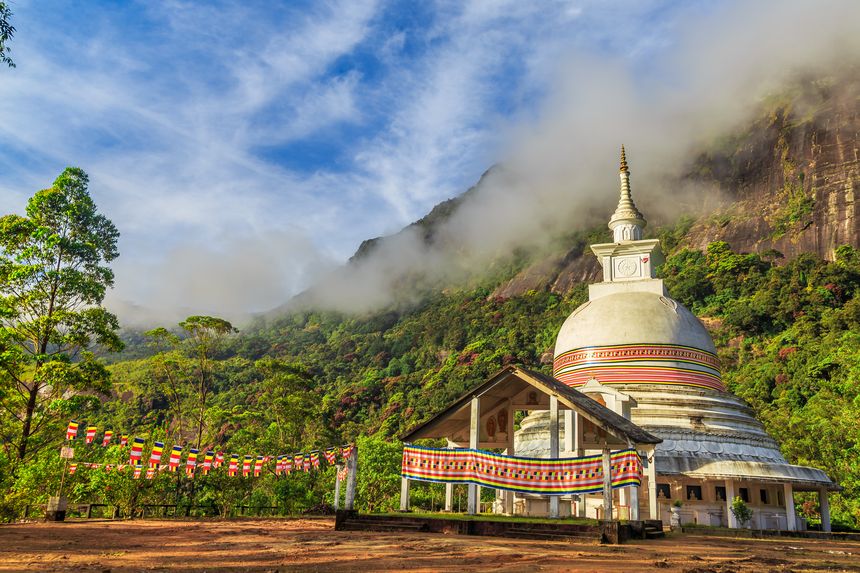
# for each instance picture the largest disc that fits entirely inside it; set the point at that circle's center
(720, 493)
(663, 491)
(780, 501)
(762, 494)
(745, 494)
(694, 493)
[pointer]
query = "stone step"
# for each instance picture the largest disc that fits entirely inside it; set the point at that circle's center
(548, 536)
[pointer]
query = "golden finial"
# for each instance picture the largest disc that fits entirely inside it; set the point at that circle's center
(623, 160)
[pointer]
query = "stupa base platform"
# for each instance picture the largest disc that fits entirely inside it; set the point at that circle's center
(555, 530)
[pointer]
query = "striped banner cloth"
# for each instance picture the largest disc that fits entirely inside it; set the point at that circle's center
(526, 475)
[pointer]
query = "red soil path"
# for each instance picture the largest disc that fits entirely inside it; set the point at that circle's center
(313, 545)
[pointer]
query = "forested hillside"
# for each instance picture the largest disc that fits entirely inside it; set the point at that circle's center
(774, 275)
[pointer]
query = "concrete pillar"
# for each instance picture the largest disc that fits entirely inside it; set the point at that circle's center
(509, 495)
(824, 505)
(569, 430)
(553, 447)
(730, 496)
(449, 497)
(634, 503)
(651, 471)
(337, 487)
(352, 466)
(790, 516)
(607, 485)
(473, 502)
(404, 494)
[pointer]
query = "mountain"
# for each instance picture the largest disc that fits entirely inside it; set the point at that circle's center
(772, 269)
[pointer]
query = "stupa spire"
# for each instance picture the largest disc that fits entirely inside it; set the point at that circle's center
(627, 222)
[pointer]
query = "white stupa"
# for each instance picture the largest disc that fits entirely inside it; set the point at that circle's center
(641, 353)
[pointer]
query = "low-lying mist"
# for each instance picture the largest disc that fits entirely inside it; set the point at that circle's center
(559, 174)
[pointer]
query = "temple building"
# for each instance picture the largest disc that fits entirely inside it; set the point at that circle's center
(640, 353)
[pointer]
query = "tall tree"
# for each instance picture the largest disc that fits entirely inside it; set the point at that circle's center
(53, 279)
(205, 334)
(185, 368)
(7, 30)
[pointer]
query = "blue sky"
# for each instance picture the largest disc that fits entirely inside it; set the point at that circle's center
(244, 147)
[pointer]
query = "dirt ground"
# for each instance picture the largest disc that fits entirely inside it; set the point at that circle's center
(313, 545)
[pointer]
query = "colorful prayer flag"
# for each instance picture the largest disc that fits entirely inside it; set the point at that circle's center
(207, 461)
(123, 440)
(155, 456)
(91, 434)
(106, 439)
(347, 451)
(246, 465)
(150, 472)
(219, 459)
(234, 465)
(136, 451)
(343, 473)
(287, 465)
(315, 460)
(175, 454)
(330, 454)
(72, 430)
(137, 470)
(258, 466)
(191, 462)
(73, 468)
(306, 462)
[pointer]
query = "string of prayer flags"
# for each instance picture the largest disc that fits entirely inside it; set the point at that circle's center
(107, 437)
(191, 462)
(72, 430)
(175, 454)
(123, 440)
(137, 470)
(258, 466)
(234, 465)
(330, 455)
(347, 451)
(246, 466)
(207, 461)
(91, 434)
(315, 460)
(155, 456)
(136, 451)
(72, 469)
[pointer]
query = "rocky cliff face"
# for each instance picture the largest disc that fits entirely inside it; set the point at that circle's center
(793, 177)
(790, 182)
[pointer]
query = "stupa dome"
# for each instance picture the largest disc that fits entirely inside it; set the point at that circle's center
(635, 337)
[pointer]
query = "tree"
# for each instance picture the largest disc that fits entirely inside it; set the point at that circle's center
(188, 381)
(741, 511)
(7, 30)
(53, 279)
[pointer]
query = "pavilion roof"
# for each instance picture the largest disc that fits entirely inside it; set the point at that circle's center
(511, 381)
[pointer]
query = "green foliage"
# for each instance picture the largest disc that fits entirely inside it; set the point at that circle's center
(741, 511)
(53, 278)
(7, 30)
